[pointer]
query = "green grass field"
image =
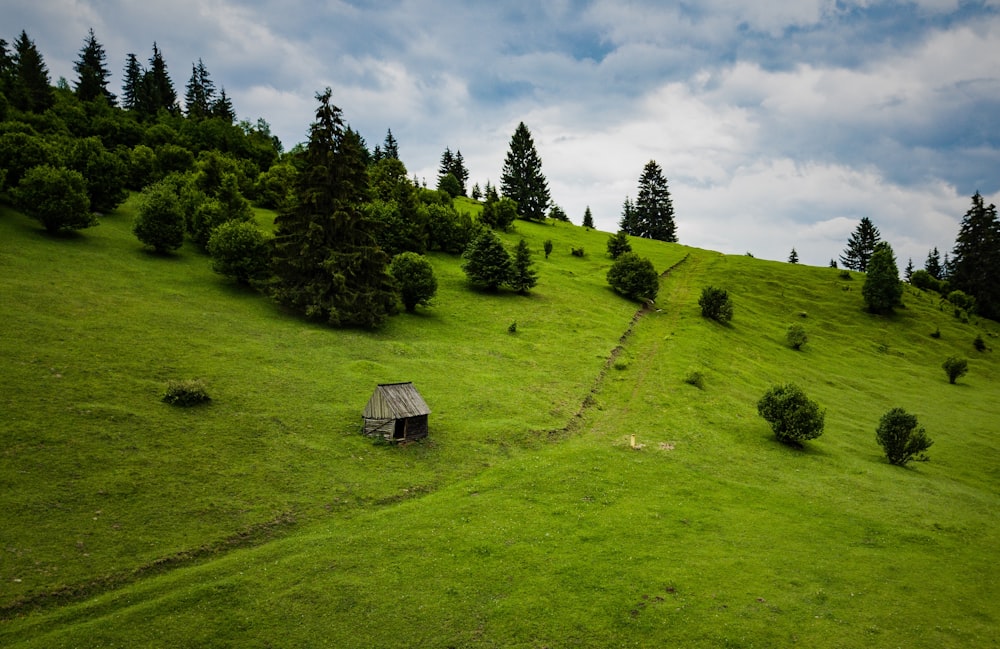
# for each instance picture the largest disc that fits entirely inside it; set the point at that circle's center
(264, 519)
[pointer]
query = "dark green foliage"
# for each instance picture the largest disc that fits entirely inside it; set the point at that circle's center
(557, 213)
(448, 230)
(106, 174)
(797, 336)
(695, 378)
(325, 260)
(186, 393)
(171, 158)
(861, 246)
(846, 275)
(522, 179)
(793, 258)
(157, 89)
(159, 221)
(522, 277)
(92, 71)
(487, 263)
(962, 301)
(901, 438)
(715, 304)
(588, 218)
(274, 187)
(512, 328)
(131, 83)
(415, 278)
(629, 223)
(634, 277)
(477, 193)
(21, 151)
(975, 261)
(882, 289)
(547, 245)
(30, 90)
(576, 252)
(955, 367)
(654, 210)
(199, 94)
(453, 165)
(979, 343)
(395, 209)
(925, 281)
(498, 213)
(908, 271)
(390, 147)
(56, 198)
(933, 264)
(450, 184)
(618, 244)
(239, 250)
(793, 417)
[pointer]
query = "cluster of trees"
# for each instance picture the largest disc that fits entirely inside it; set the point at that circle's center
(966, 277)
(652, 214)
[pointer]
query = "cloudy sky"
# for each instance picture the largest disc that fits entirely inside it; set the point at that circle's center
(778, 123)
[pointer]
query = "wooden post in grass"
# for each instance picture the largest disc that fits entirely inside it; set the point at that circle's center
(632, 441)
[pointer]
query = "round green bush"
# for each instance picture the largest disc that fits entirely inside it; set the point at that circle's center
(794, 418)
(955, 367)
(416, 280)
(797, 336)
(55, 197)
(239, 249)
(715, 304)
(634, 277)
(901, 438)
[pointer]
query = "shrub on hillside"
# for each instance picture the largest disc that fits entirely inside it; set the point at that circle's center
(963, 301)
(979, 343)
(793, 417)
(186, 393)
(925, 281)
(618, 244)
(715, 304)
(55, 197)
(797, 336)
(159, 222)
(239, 249)
(547, 247)
(955, 367)
(634, 277)
(416, 280)
(901, 438)
(486, 262)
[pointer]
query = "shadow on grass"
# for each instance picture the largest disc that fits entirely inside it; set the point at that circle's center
(808, 448)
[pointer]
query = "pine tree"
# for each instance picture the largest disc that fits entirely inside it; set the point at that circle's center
(975, 260)
(93, 72)
(522, 277)
(793, 258)
(6, 69)
(325, 260)
(158, 89)
(486, 262)
(447, 164)
(132, 83)
(390, 148)
(882, 289)
(908, 271)
(933, 263)
(588, 218)
(223, 108)
(861, 245)
(200, 95)
(522, 178)
(629, 223)
(653, 207)
(460, 171)
(31, 91)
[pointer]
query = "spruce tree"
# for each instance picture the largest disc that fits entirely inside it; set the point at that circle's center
(460, 171)
(158, 88)
(861, 245)
(522, 178)
(522, 277)
(882, 289)
(933, 263)
(91, 67)
(200, 92)
(325, 260)
(793, 258)
(975, 260)
(653, 207)
(908, 271)
(132, 90)
(223, 108)
(31, 91)
(6, 69)
(588, 218)
(390, 148)
(629, 223)
(487, 263)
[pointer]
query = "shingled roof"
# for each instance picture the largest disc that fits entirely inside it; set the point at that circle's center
(396, 401)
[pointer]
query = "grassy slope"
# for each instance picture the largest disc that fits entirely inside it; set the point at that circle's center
(711, 534)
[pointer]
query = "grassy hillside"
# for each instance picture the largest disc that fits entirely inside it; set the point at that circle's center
(264, 519)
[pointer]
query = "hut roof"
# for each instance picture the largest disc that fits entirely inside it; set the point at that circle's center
(396, 401)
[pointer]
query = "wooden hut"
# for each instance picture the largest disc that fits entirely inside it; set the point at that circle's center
(396, 412)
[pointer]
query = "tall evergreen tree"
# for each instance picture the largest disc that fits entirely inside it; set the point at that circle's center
(588, 218)
(522, 276)
(861, 245)
(6, 68)
(487, 263)
(223, 107)
(933, 263)
(908, 271)
(390, 148)
(460, 171)
(200, 92)
(92, 71)
(325, 260)
(793, 258)
(653, 207)
(882, 289)
(158, 88)
(975, 260)
(132, 86)
(522, 178)
(629, 223)
(32, 90)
